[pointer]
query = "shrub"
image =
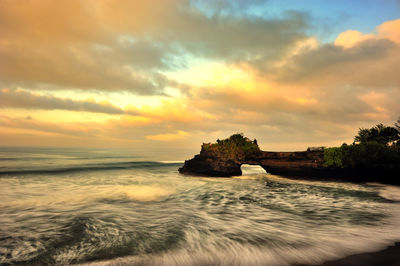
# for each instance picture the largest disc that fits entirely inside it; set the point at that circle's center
(367, 155)
(235, 147)
(333, 157)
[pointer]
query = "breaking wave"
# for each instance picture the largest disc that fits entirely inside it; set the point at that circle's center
(116, 212)
(89, 167)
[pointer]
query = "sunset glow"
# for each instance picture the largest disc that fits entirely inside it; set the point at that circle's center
(160, 74)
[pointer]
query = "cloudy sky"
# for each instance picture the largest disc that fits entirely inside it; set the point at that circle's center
(165, 76)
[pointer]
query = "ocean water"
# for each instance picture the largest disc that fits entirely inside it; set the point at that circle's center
(65, 206)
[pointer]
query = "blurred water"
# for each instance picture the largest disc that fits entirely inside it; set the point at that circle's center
(63, 207)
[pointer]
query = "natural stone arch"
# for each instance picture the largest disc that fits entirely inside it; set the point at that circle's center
(225, 157)
(249, 169)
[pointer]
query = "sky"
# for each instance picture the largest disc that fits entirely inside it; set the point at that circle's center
(165, 76)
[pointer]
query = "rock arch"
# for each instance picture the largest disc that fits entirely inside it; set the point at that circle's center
(249, 169)
(225, 157)
(284, 163)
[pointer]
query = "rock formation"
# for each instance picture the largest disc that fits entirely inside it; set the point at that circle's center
(225, 157)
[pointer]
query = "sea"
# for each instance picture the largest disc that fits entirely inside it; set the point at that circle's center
(105, 207)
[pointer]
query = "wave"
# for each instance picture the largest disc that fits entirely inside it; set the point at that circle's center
(388, 192)
(204, 247)
(187, 221)
(246, 255)
(90, 167)
(52, 157)
(105, 194)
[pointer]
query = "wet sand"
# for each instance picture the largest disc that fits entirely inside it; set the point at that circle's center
(387, 257)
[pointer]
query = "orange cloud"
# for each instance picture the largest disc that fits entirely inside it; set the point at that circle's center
(169, 136)
(388, 30)
(255, 75)
(28, 100)
(350, 38)
(175, 110)
(122, 45)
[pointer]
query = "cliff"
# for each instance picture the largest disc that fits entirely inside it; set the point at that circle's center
(225, 157)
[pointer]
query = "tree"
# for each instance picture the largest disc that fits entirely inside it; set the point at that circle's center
(381, 134)
(397, 126)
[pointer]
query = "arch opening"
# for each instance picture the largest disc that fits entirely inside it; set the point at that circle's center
(248, 169)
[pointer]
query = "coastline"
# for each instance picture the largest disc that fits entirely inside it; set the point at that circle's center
(225, 158)
(350, 179)
(389, 256)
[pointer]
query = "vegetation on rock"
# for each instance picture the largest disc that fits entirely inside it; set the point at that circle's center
(235, 147)
(374, 156)
(381, 134)
(377, 148)
(367, 155)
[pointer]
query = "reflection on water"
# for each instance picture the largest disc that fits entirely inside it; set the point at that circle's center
(149, 214)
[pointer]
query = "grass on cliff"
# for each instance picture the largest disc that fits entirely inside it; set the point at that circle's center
(235, 147)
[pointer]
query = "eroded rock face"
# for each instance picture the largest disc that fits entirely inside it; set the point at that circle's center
(288, 163)
(224, 159)
(211, 166)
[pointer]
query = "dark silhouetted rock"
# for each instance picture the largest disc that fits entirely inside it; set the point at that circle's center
(225, 157)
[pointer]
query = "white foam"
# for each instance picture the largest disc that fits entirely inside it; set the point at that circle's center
(146, 193)
(206, 249)
(248, 255)
(75, 195)
(252, 169)
(389, 192)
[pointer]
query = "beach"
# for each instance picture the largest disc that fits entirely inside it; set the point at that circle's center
(101, 207)
(389, 257)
